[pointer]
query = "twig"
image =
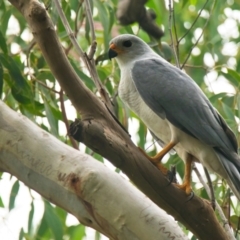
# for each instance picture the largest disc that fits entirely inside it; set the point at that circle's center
(43, 84)
(89, 57)
(90, 64)
(33, 78)
(92, 50)
(65, 120)
(76, 26)
(175, 33)
(199, 14)
(170, 32)
(218, 208)
(189, 53)
(69, 31)
(212, 195)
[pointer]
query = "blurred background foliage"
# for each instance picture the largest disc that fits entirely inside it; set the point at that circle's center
(205, 36)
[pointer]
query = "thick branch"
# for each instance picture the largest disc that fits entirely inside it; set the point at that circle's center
(130, 11)
(98, 197)
(101, 132)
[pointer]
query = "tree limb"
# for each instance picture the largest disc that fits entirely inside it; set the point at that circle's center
(79, 184)
(130, 11)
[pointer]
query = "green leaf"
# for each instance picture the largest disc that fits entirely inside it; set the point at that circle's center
(111, 18)
(142, 135)
(30, 218)
(53, 221)
(238, 104)
(34, 108)
(13, 194)
(3, 44)
(21, 235)
(76, 232)
(216, 97)
(193, 2)
(230, 116)
(104, 19)
(4, 20)
(62, 214)
(45, 75)
(43, 228)
(184, 2)
(234, 220)
(97, 235)
(232, 76)
(18, 94)
(51, 118)
(1, 79)
(1, 203)
(19, 86)
(87, 80)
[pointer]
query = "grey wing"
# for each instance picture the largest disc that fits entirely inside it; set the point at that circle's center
(160, 142)
(163, 86)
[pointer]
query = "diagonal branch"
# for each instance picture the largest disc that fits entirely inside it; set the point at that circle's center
(194, 22)
(171, 13)
(90, 63)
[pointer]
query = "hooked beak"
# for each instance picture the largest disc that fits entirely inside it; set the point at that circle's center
(113, 51)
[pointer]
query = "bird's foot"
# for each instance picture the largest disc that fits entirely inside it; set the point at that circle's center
(186, 187)
(156, 162)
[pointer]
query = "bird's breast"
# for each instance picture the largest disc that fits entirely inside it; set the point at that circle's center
(130, 96)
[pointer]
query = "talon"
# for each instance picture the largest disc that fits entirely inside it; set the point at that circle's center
(172, 175)
(190, 197)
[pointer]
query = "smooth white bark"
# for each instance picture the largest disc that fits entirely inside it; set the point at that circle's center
(98, 197)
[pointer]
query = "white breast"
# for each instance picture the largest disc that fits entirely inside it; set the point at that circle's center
(129, 95)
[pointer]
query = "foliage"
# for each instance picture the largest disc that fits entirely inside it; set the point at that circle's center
(27, 84)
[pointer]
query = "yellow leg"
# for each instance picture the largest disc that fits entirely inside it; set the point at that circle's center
(156, 160)
(158, 157)
(186, 186)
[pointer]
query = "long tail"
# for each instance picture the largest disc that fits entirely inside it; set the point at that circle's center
(233, 171)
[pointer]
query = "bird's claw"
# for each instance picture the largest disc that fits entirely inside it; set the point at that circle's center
(190, 197)
(186, 187)
(172, 175)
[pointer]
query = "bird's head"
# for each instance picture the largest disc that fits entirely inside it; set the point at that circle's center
(127, 47)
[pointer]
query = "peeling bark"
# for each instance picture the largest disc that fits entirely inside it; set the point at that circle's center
(96, 196)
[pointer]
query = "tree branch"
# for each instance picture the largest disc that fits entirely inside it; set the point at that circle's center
(171, 13)
(130, 11)
(79, 184)
(89, 62)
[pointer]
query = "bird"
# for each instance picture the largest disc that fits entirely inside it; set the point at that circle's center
(176, 110)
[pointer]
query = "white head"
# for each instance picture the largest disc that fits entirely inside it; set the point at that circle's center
(128, 47)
